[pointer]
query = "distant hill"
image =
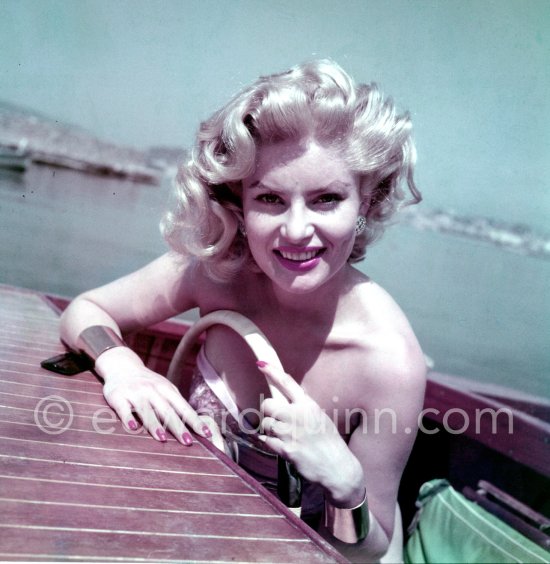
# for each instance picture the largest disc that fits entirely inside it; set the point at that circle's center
(45, 140)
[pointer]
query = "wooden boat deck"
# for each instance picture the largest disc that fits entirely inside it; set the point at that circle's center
(74, 485)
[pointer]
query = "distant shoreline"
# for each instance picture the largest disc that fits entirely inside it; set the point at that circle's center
(44, 140)
(516, 238)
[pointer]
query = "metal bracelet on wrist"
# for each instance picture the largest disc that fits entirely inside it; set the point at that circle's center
(348, 525)
(97, 339)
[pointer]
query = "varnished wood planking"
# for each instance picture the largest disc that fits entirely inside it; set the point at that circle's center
(61, 489)
(113, 544)
(91, 495)
(130, 517)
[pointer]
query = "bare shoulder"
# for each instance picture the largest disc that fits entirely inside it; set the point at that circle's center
(394, 358)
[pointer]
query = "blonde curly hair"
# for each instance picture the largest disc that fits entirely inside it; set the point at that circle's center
(317, 99)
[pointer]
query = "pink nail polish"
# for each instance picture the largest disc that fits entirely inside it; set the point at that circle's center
(187, 439)
(207, 432)
(132, 425)
(261, 363)
(161, 435)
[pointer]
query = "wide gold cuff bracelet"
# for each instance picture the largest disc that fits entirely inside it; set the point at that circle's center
(348, 525)
(97, 339)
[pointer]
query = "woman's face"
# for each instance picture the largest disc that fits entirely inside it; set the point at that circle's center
(300, 209)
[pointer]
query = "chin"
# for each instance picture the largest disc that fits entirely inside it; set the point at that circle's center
(300, 288)
(303, 283)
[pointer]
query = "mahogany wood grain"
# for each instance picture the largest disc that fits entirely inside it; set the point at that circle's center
(94, 491)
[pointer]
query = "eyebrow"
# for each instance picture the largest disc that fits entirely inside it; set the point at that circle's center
(259, 185)
(331, 186)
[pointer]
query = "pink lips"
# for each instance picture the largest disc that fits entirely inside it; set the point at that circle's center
(299, 259)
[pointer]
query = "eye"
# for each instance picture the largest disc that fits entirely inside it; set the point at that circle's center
(268, 199)
(329, 199)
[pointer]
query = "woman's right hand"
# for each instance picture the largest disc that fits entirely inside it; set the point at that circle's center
(132, 388)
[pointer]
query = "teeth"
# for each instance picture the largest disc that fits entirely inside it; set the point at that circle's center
(308, 255)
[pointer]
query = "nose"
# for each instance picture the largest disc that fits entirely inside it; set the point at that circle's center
(297, 224)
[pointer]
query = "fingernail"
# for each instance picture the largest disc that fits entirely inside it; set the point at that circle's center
(261, 363)
(161, 435)
(187, 439)
(207, 432)
(132, 425)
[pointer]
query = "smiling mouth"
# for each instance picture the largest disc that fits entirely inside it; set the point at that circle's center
(302, 256)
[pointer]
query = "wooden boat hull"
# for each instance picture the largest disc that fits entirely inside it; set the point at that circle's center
(468, 433)
(75, 485)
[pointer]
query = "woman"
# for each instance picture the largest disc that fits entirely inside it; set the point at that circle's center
(286, 186)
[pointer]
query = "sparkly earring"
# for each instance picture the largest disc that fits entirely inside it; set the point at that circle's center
(242, 229)
(360, 225)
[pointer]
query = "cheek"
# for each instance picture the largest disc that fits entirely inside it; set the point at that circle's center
(346, 244)
(343, 237)
(245, 202)
(260, 231)
(344, 226)
(259, 224)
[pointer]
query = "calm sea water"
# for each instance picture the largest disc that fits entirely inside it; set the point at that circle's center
(478, 311)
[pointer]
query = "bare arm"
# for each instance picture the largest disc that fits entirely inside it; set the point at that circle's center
(377, 452)
(158, 291)
(384, 439)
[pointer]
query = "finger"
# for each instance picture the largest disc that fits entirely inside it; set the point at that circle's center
(273, 443)
(174, 424)
(267, 426)
(272, 427)
(191, 417)
(123, 409)
(275, 407)
(216, 439)
(172, 420)
(150, 420)
(282, 381)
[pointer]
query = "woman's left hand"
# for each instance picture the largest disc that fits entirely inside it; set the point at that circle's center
(297, 429)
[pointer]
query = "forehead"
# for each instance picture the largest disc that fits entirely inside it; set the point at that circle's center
(296, 163)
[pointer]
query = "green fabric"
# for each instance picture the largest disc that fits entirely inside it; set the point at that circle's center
(450, 528)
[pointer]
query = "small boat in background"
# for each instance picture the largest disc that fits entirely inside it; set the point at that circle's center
(15, 158)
